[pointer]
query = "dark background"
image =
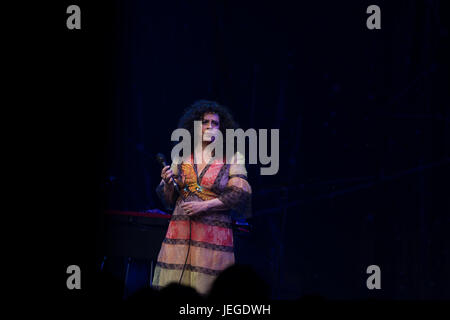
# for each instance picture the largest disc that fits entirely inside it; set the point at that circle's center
(364, 133)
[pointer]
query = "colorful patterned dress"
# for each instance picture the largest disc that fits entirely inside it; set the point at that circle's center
(211, 234)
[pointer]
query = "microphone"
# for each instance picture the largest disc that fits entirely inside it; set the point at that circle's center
(162, 161)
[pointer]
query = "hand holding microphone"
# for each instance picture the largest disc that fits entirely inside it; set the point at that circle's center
(167, 173)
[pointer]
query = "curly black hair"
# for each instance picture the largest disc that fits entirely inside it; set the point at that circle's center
(199, 108)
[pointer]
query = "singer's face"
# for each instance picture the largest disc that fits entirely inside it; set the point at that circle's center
(210, 121)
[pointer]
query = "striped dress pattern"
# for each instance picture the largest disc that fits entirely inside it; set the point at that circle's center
(209, 234)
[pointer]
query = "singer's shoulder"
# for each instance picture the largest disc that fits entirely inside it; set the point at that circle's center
(238, 158)
(237, 166)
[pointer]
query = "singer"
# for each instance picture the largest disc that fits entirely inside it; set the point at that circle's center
(199, 241)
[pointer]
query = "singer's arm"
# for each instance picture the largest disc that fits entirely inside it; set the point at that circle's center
(236, 196)
(169, 189)
(196, 207)
(166, 190)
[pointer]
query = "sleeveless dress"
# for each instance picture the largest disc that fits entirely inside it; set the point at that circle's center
(210, 233)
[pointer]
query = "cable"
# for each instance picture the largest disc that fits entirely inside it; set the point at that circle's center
(162, 160)
(183, 198)
(187, 254)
